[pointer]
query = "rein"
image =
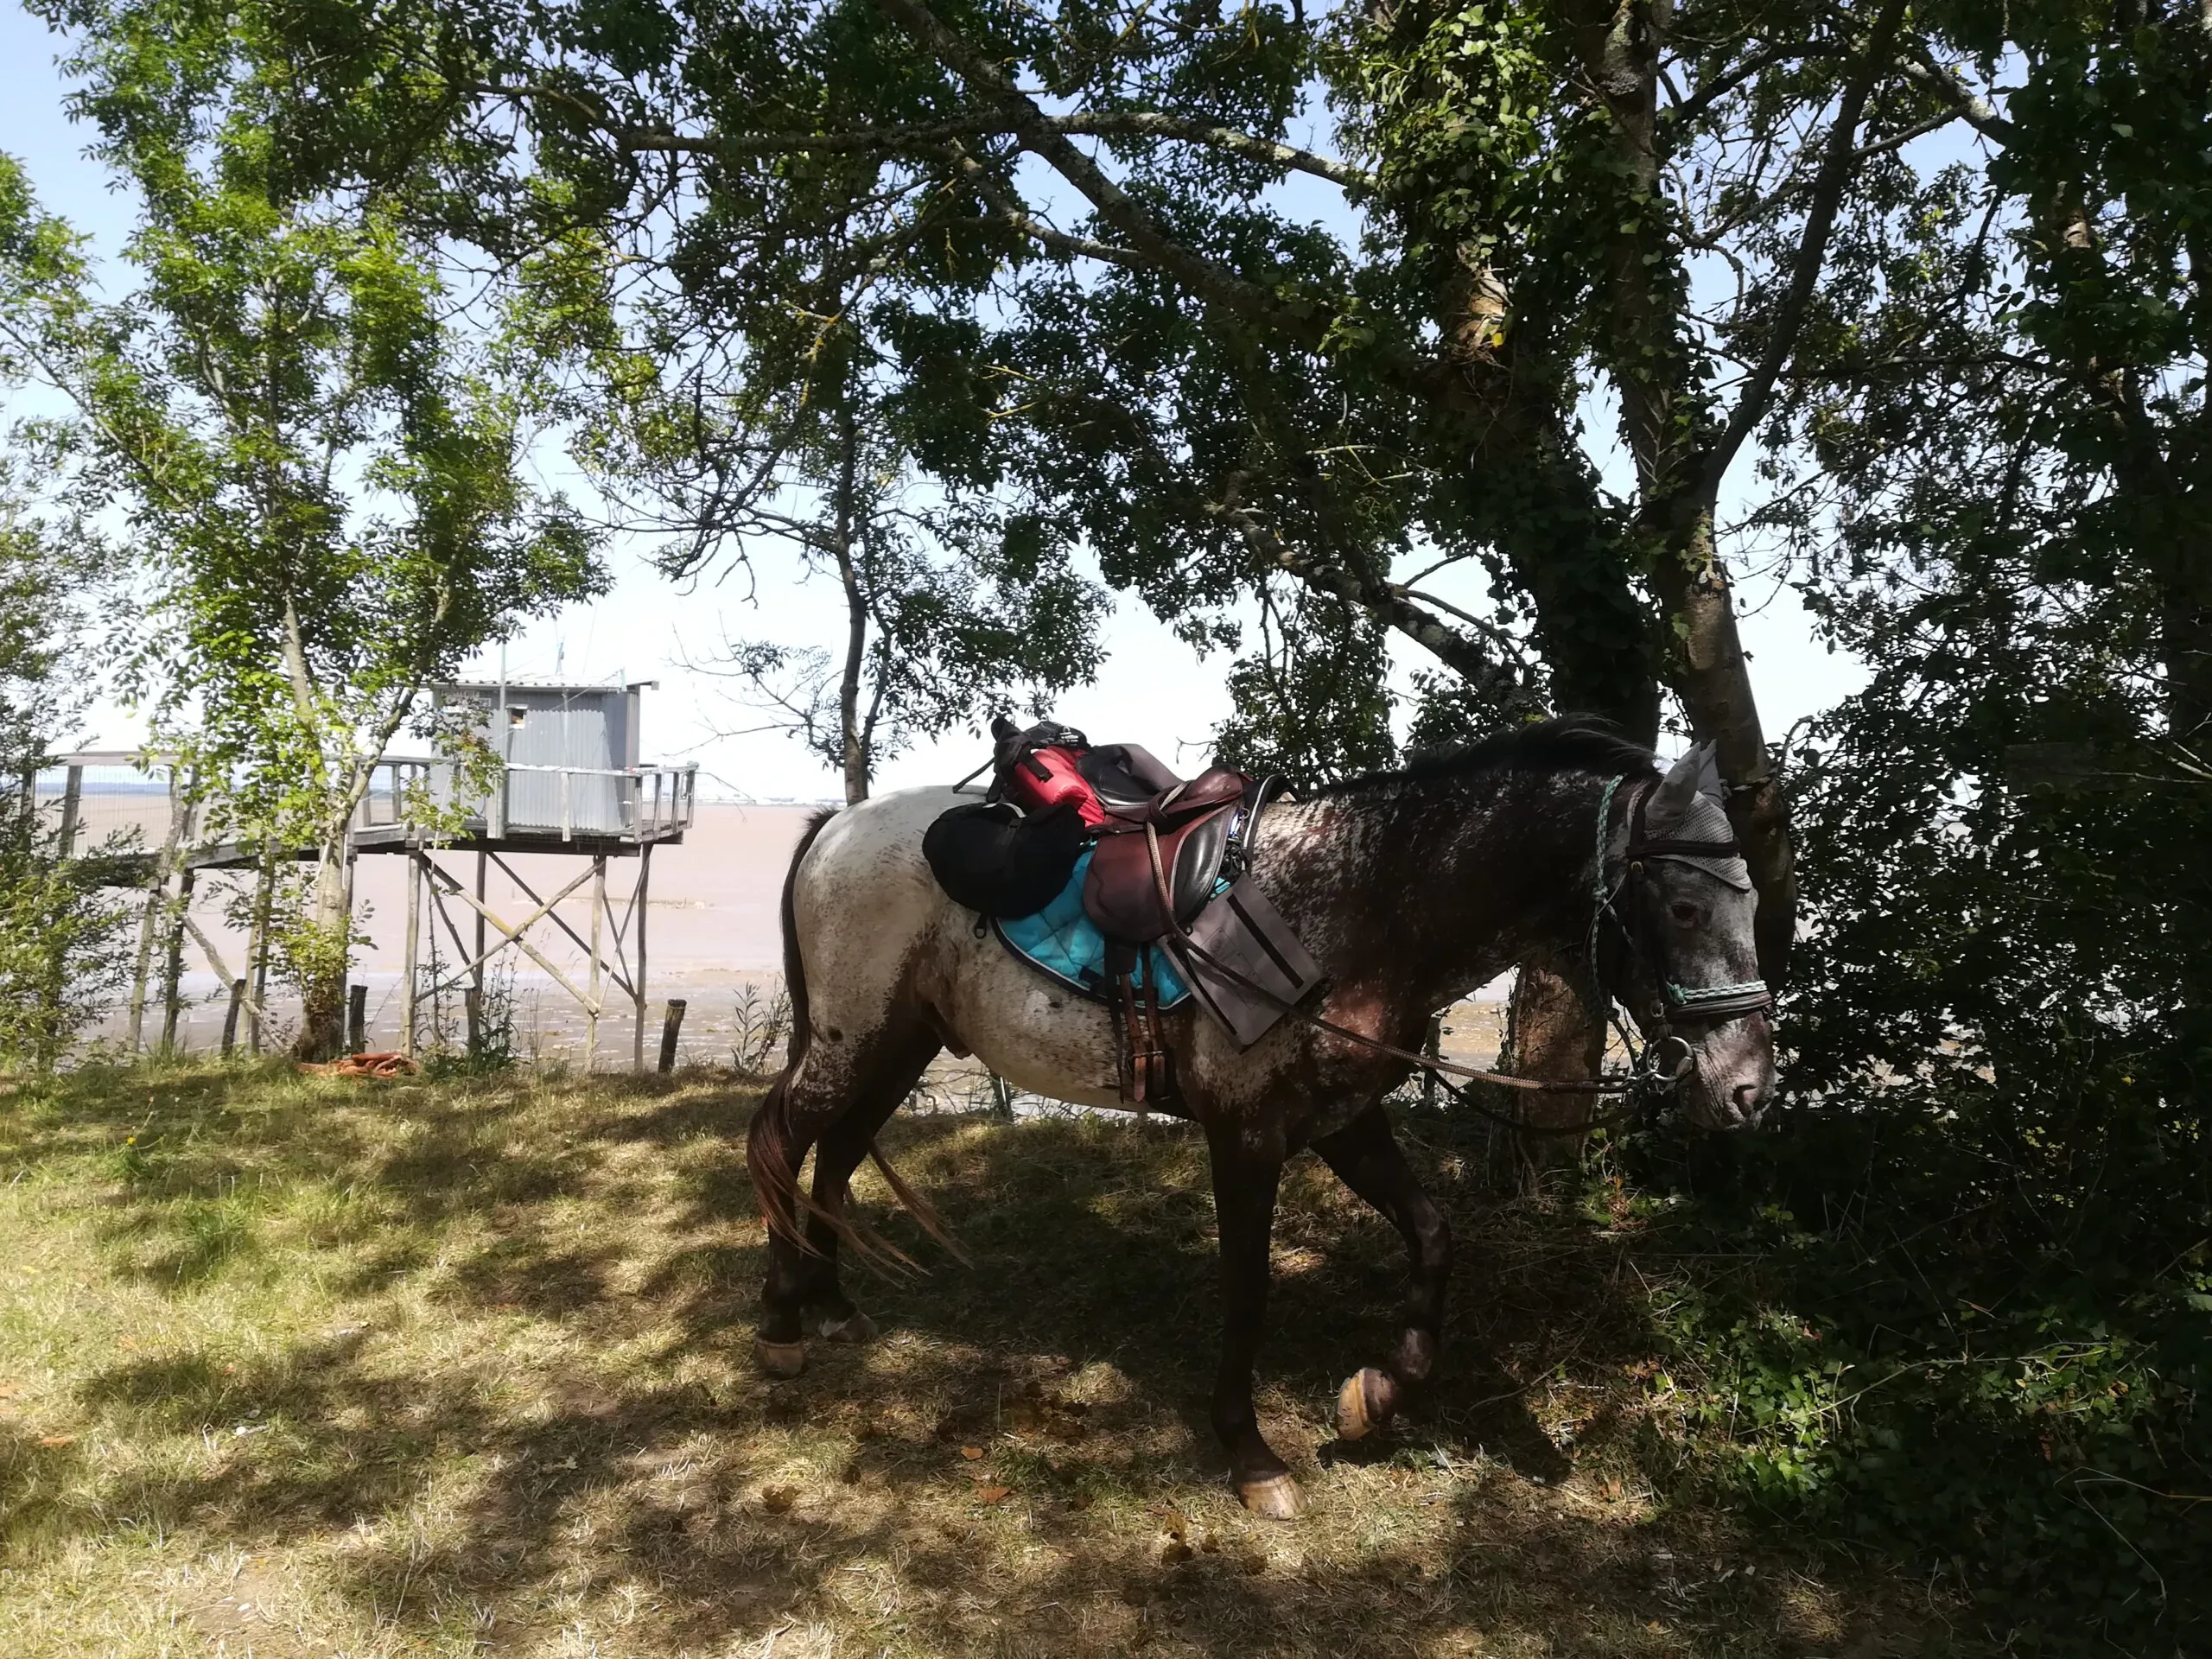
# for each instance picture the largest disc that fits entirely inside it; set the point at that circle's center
(1645, 1075)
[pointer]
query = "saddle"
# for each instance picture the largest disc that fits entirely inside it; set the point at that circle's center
(1167, 869)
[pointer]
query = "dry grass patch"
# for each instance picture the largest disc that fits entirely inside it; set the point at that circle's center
(293, 1367)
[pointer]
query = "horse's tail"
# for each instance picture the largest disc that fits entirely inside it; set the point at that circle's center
(768, 1141)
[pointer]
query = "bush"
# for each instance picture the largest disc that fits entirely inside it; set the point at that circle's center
(63, 955)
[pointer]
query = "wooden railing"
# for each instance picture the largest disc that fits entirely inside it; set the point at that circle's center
(633, 803)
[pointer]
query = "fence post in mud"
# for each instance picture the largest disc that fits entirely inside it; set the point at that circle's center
(671, 1023)
(357, 1019)
(1001, 1099)
(231, 1017)
(1432, 1048)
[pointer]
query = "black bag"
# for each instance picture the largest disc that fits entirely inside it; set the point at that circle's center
(989, 858)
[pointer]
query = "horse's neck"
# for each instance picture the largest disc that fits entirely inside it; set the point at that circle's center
(1436, 893)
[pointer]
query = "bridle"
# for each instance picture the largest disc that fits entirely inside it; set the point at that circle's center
(1665, 1056)
(1646, 1077)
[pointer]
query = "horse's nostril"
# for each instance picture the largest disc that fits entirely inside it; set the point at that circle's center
(1750, 1099)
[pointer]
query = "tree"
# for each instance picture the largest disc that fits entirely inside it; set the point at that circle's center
(1216, 396)
(952, 604)
(60, 937)
(323, 478)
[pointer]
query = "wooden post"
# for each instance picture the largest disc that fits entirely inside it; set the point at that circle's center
(357, 1019)
(414, 947)
(638, 980)
(157, 892)
(473, 999)
(73, 803)
(172, 963)
(257, 948)
(231, 1017)
(1432, 1048)
(1001, 1099)
(598, 909)
(671, 1023)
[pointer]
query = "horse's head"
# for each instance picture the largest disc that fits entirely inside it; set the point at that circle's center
(1681, 958)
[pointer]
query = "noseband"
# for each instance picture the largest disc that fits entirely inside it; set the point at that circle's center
(1714, 1003)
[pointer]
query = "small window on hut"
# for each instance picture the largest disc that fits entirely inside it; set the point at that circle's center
(517, 716)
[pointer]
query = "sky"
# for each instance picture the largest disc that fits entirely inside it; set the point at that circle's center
(1150, 687)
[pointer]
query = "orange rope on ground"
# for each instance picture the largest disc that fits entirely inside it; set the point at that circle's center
(364, 1066)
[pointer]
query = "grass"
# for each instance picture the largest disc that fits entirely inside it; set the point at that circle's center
(294, 1367)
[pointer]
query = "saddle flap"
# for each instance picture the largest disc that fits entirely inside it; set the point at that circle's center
(1243, 932)
(1121, 894)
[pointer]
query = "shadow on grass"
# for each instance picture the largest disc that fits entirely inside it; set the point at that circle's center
(525, 1494)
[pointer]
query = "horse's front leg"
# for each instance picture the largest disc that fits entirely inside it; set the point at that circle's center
(1366, 1158)
(1245, 1181)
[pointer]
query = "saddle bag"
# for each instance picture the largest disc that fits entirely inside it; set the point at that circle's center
(997, 862)
(1041, 767)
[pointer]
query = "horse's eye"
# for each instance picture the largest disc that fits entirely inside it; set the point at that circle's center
(1684, 913)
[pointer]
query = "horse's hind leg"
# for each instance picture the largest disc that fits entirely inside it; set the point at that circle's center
(836, 1155)
(1366, 1158)
(833, 1098)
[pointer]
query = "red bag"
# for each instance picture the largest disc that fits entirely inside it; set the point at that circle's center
(1038, 768)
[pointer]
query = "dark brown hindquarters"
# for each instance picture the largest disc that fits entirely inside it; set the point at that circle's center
(768, 1141)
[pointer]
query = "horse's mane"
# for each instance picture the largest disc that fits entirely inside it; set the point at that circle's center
(1569, 743)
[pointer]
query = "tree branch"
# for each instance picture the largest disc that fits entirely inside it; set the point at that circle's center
(923, 136)
(1710, 92)
(1812, 248)
(1035, 132)
(1014, 213)
(1458, 651)
(1921, 68)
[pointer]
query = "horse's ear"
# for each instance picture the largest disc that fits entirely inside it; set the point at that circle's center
(1697, 772)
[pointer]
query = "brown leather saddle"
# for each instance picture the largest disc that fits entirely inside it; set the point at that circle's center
(1192, 822)
(1169, 870)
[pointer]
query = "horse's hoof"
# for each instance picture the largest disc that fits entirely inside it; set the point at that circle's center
(854, 1327)
(1367, 1402)
(779, 1359)
(1277, 1497)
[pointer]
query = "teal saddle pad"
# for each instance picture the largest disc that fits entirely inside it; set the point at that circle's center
(1063, 943)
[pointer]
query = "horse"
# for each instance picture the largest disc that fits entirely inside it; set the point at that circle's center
(1559, 842)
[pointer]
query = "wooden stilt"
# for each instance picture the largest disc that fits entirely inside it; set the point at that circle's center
(638, 980)
(357, 1019)
(414, 947)
(257, 950)
(474, 998)
(72, 801)
(172, 963)
(598, 909)
(156, 894)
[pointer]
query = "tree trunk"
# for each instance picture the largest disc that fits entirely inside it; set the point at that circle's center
(1669, 428)
(853, 742)
(322, 959)
(1714, 683)
(1554, 1030)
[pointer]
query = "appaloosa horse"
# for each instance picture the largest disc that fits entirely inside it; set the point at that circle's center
(1411, 888)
